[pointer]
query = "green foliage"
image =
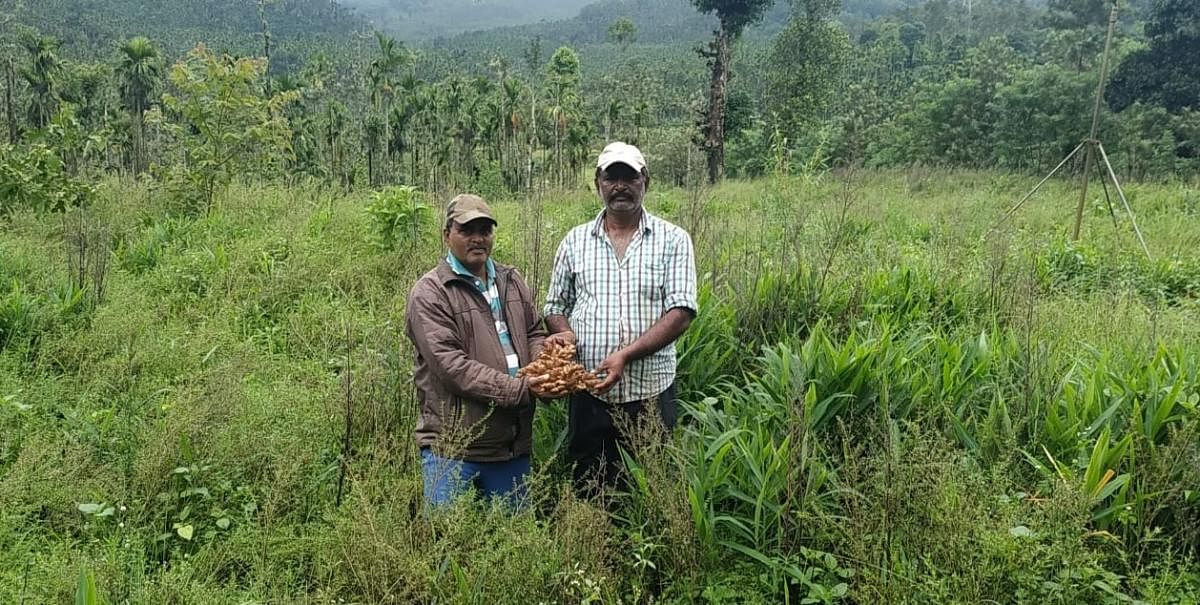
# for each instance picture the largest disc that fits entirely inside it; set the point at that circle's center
(623, 31)
(19, 314)
(929, 418)
(734, 15)
(873, 451)
(224, 123)
(36, 178)
(140, 72)
(399, 217)
(43, 75)
(85, 589)
(140, 76)
(198, 505)
(1048, 100)
(709, 349)
(1080, 13)
(807, 63)
(1164, 73)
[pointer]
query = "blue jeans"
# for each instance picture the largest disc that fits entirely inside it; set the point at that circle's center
(447, 479)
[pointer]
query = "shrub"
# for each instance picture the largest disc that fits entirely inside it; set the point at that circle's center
(398, 217)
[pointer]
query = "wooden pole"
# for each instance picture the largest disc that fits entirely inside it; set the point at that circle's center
(1035, 189)
(1120, 193)
(1091, 141)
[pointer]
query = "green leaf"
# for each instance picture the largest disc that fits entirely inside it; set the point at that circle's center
(85, 589)
(185, 531)
(223, 523)
(1020, 531)
(89, 508)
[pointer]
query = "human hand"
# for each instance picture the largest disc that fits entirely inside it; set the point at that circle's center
(539, 386)
(561, 338)
(612, 368)
(555, 373)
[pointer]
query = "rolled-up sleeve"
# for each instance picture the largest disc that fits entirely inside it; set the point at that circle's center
(680, 278)
(560, 299)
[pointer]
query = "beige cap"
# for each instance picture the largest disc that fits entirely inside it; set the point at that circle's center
(621, 153)
(465, 208)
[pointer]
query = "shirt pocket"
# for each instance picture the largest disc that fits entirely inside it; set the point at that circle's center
(652, 278)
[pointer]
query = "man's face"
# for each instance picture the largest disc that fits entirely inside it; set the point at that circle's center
(471, 243)
(621, 188)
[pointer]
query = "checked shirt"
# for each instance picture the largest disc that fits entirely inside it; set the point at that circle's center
(610, 303)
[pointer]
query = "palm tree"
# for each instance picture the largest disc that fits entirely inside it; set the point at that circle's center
(381, 74)
(42, 76)
(335, 125)
(639, 120)
(140, 74)
(612, 114)
(514, 123)
(562, 77)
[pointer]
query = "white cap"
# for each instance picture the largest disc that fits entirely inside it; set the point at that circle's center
(621, 153)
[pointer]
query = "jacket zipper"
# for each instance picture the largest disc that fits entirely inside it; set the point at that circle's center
(500, 283)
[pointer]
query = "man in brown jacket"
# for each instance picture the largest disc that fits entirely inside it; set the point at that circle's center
(474, 324)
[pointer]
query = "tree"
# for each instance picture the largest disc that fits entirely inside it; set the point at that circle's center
(266, 36)
(1165, 73)
(10, 84)
(382, 74)
(611, 115)
(42, 75)
(1079, 13)
(623, 31)
(223, 121)
(512, 114)
(911, 36)
(806, 62)
(335, 126)
(562, 78)
(639, 120)
(1039, 116)
(139, 75)
(734, 16)
(36, 177)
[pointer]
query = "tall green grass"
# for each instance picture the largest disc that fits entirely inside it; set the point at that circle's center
(882, 402)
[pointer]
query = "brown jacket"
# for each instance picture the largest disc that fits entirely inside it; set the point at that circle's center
(471, 409)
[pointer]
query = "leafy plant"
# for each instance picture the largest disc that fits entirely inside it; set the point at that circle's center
(398, 216)
(35, 178)
(85, 589)
(199, 505)
(223, 122)
(19, 314)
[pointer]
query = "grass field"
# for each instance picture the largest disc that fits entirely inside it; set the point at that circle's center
(885, 403)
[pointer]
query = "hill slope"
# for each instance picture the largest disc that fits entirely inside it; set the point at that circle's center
(423, 19)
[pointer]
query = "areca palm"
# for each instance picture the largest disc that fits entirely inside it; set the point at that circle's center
(140, 74)
(612, 114)
(41, 74)
(513, 123)
(382, 74)
(639, 120)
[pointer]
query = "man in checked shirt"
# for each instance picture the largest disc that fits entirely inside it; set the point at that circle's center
(623, 290)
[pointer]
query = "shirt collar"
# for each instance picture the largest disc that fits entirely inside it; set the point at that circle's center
(645, 226)
(462, 270)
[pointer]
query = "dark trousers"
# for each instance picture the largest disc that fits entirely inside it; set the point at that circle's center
(593, 434)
